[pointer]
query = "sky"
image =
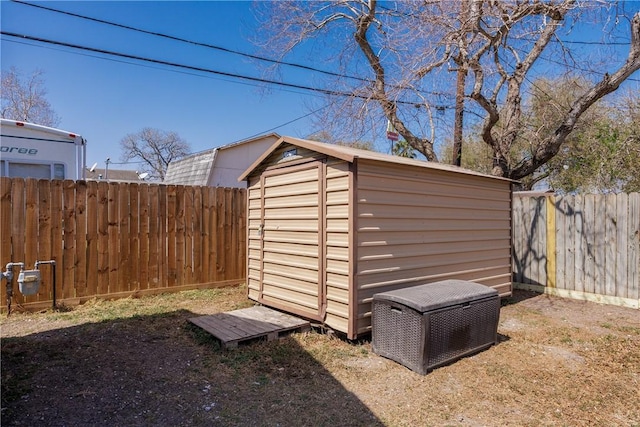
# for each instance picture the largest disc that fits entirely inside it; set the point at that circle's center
(104, 98)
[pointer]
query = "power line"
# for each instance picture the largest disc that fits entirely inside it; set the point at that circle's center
(194, 68)
(169, 63)
(211, 46)
(147, 66)
(183, 40)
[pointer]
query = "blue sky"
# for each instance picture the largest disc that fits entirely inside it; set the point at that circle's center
(105, 98)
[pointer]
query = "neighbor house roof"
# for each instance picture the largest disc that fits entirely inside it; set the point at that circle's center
(191, 170)
(197, 169)
(112, 175)
(350, 154)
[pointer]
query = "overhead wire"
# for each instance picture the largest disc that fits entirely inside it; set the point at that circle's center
(194, 68)
(210, 46)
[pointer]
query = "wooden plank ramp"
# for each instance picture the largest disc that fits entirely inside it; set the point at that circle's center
(234, 327)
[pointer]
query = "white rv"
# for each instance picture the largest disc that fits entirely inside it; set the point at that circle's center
(28, 150)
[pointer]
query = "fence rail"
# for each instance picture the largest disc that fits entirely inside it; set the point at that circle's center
(116, 239)
(582, 246)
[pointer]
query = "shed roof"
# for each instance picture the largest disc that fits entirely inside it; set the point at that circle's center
(350, 154)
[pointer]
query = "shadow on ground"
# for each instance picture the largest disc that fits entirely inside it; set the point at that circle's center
(161, 370)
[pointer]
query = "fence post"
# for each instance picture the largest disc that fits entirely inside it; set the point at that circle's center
(551, 241)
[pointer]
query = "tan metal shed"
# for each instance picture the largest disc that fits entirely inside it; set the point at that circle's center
(330, 226)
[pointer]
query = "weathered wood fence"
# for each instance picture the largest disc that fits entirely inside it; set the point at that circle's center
(111, 240)
(582, 246)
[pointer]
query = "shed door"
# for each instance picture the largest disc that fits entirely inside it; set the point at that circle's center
(292, 230)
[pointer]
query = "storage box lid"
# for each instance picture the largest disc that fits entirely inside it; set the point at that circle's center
(437, 295)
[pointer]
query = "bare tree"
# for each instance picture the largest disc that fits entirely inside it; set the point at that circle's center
(397, 60)
(25, 100)
(155, 149)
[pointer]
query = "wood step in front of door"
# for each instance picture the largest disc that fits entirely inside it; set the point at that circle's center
(246, 324)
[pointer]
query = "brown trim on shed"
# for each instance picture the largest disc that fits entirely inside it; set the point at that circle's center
(353, 250)
(322, 241)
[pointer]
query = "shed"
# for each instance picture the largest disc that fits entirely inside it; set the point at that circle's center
(330, 226)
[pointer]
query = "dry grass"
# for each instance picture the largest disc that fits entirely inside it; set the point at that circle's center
(139, 362)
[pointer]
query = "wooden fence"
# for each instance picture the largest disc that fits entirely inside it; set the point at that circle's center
(111, 240)
(583, 246)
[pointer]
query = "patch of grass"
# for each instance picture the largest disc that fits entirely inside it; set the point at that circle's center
(629, 329)
(202, 337)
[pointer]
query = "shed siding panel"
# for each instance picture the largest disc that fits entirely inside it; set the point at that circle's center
(253, 239)
(336, 244)
(419, 226)
(290, 241)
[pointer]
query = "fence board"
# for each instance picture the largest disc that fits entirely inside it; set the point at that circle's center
(579, 246)
(31, 230)
(215, 231)
(520, 239)
(113, 243)
(18, 232)
(172, 206)
(80, 270)
(154, 237)
(570, 257)
(622, 244)
(57, 231)
(102, 286)
(187, 221)
(123, 238)
(610, 244)
(163, 220)
(206, 232)
(196, 265)
(599, 243)
(223, 221)
(240, 215)
(69, 230)
(633, 258)
(588, 237)
(18, 228)
(561, 241)
(143, 246)
(44, 238)
(92, 238)
(133, 264)
(6, 224)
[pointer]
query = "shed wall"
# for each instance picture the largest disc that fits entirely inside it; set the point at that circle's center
(416, 226)
(296, 207)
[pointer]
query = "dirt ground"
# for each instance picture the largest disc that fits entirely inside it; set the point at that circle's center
(139, 362)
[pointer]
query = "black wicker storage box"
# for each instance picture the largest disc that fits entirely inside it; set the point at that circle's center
(426, 326)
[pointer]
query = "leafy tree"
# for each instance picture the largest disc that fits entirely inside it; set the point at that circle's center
(403, 149)
(324, 136)
(155, 149)
(25, 99)
(397, 59)
(604, 155)
(476, 155)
